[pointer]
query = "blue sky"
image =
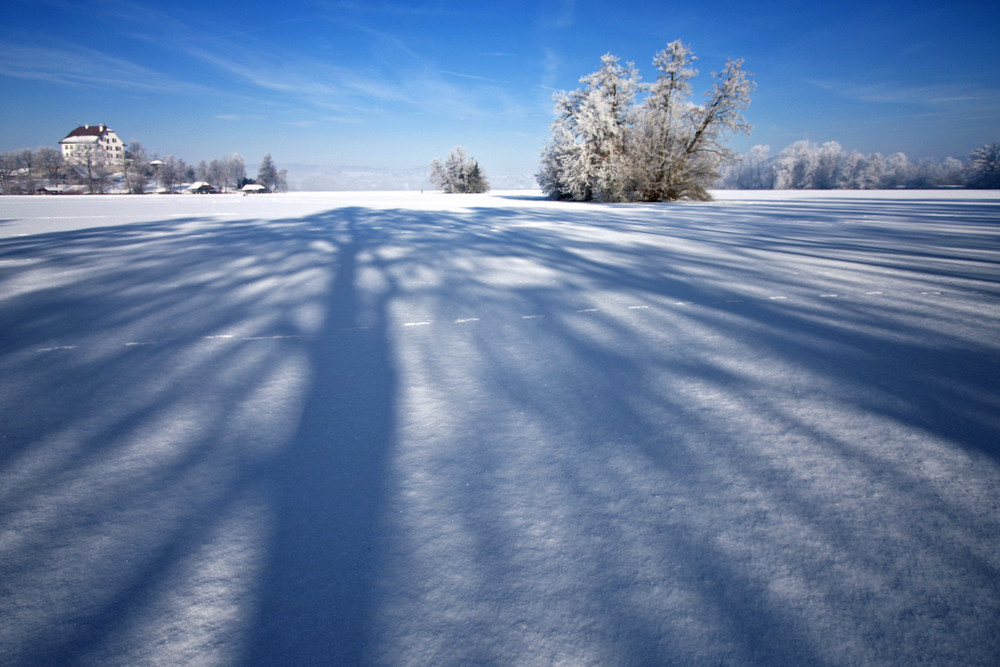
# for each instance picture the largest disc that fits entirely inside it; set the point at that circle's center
(394, 84)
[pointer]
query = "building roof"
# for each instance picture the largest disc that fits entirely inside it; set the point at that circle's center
(87, 133)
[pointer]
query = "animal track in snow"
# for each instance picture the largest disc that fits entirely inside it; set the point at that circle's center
(782, 297)
(135, 344)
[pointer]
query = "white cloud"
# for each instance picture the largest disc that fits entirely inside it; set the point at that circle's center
(81, 66)
(890, 92)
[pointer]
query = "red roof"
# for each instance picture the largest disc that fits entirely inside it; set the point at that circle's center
(88, 131)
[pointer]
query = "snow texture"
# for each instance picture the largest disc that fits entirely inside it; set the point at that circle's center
(398, 428)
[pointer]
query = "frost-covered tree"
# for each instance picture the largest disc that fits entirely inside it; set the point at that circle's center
(169, 173)
(753, 171)
(827, 171)
(237, 171)
(605, 147)
(872, 172)
(897, 171)
(91, 168)
(684, 144)
(805, 165)
(9, 166)
(661, 144)
(137, 169)
(588, 155)
(18, 171)
(984, 167)
(186, 173)
(217, 173)
(27, 160)
(949, 172)
(50, 164)
(458, 173)
(267, 173)
(795, 165)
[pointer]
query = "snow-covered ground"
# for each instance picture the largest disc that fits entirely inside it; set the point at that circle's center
(330, 428)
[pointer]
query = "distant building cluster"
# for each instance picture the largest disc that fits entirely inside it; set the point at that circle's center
(93, 159)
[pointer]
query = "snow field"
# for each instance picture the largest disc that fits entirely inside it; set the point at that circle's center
(416, 428)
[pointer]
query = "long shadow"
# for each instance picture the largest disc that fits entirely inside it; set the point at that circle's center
(146, 406)
(591, 388)
(606, 472)
(327, 485)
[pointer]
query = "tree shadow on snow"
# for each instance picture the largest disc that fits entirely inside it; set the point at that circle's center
(315, 597)
(211, 404)
(634, 435)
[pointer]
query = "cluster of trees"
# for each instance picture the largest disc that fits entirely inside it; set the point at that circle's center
(984, 167)
(459, 172)
(808, 166)
(222, 174)
(607, 144)
(21, 170)
(24, 171)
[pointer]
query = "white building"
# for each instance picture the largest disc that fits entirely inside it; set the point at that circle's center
(91, 139)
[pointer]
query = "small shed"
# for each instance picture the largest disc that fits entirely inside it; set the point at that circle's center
(253, 187)
(201, 188)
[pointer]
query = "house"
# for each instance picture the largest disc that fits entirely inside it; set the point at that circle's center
(201, 188)
(97, 140)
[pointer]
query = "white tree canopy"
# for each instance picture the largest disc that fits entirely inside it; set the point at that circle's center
(459, 172)
(606, 147)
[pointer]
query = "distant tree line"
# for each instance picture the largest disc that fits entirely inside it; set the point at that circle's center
(808, 166)
(29, 171)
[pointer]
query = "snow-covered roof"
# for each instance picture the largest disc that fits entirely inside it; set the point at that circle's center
(252, 187)
(86, 134)
(80, 140)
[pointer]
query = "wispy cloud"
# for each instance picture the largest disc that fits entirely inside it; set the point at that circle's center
(472, 77)
(889, 92)
(386, 75)
(396, 77)
(80, 66)
(560, 14)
